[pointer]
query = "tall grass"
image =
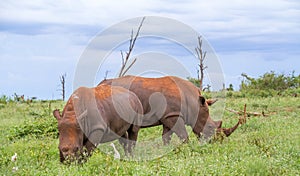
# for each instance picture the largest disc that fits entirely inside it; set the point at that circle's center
(263, 146)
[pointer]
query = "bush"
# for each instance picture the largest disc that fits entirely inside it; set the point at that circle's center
(3, 99)
(270, 84)
(291, 92)
(229, 94)
(38, 127)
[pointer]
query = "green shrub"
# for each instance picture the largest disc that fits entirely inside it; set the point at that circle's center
(291, 92)
(37, 127)
(229, 94)
(271, 84)
(2, 105)
(4, 99)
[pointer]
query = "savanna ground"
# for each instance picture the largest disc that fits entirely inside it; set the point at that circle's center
(263, 146)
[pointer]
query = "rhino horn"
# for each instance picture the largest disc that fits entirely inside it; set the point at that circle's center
(229, 131)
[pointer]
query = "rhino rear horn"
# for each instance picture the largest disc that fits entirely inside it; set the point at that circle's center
(218, 123)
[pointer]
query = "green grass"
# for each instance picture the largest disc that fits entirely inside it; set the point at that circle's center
(263, 146)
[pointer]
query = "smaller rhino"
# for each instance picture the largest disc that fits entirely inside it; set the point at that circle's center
(97, 115)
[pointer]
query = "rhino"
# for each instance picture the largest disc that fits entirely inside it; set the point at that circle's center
(173, 103)
(97, 115)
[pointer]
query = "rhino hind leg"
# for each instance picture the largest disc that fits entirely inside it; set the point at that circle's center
(123, 141)
(177, 125)
(132, 138)
(166, 135)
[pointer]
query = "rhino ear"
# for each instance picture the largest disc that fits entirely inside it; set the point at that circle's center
(211, 101)
(56, 114)
(202, 100)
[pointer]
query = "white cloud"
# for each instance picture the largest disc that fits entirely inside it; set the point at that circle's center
(53, 34)
(216, 19)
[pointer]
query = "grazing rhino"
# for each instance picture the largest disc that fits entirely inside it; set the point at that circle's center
(174, 103)
(97, 115)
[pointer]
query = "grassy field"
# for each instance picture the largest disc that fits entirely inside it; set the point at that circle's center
(263, 146)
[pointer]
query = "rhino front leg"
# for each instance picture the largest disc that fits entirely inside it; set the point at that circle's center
(177, 125)
(87, 150)
(166, 135)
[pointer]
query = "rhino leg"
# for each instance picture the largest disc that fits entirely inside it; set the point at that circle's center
(88, 148)
(132, 137)
(177, 125)
(123, 141)
(166, 135)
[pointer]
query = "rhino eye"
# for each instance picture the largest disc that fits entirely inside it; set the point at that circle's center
(78, 127)
(75, 149)
(206, 109)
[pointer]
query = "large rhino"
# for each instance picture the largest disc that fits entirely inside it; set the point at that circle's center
(172, 102)
(97, 115)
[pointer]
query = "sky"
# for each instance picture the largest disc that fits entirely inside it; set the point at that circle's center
(40, 40)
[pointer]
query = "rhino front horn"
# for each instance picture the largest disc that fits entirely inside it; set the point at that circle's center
(229, 131)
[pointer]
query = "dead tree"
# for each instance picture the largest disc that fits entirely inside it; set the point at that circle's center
(19, 98)
(106, 73)
(63, 82)
(131, 45)
(247, 77)
(207, 88)
(248, 114)
(201, 56)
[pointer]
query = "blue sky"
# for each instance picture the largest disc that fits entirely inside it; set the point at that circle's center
(42, 40)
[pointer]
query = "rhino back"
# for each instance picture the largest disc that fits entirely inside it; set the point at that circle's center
(181, 95)
(103, 113)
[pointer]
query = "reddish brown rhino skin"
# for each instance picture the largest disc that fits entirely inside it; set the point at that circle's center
(182, 104)
(97, 115)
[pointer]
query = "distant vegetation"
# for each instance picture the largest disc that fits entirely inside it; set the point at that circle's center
(271, 84)
(268, 85)
(196, 82)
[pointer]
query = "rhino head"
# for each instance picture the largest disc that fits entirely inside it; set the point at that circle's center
(206, 127)
(73, 144)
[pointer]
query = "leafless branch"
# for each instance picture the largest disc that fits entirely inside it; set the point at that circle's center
(122, 57)
(125, 71)
(106, 73)
(201, 56)
(131, 46)
(244, 119)
(247, 114)
(63, 82)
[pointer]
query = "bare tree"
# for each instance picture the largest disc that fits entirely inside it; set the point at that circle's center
(207, 88)
(106, 73)
(201, 56)
(131, 45)
(244, 75)
(63, 82)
